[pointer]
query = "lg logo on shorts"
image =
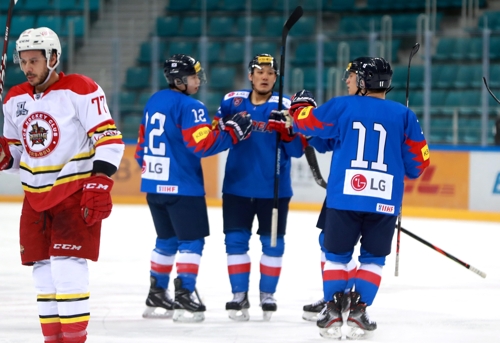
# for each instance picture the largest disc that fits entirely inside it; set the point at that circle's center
(67, 247)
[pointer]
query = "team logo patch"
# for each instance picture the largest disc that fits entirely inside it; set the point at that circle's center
(237, 101)
(40, 134)
(21, 111)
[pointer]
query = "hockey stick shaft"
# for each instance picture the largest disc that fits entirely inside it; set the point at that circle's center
(414, 50)
(313, 164)
(5, 44)
(489, 90)
(294, 17)
(198, 296)
(441, 251)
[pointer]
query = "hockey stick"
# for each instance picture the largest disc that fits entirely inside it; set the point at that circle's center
(294, 17)
(450, 256)
(198, 296)
(489, 90)
(5, 44)
(313, 164)
(414, 50)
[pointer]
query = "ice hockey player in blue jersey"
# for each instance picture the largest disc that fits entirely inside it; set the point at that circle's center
(248, 188)
(175, 133)
(377, 143)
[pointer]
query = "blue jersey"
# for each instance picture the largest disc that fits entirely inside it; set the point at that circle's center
(376, 144)
(250, 165)
(175, 133)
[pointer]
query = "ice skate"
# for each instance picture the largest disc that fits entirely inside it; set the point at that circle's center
(330, 318)
(238, 307)
(186, 307)
(158, 304)
(268, 304)
(361, 326)
(311, 311)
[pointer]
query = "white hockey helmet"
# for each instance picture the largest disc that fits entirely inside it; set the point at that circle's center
(41, 38)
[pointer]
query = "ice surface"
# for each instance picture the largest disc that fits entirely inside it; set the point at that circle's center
(433, 300)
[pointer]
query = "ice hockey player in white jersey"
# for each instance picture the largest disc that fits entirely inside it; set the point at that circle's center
(60, 137)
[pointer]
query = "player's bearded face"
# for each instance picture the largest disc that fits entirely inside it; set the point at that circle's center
(263, 80)
(39, 78)
(34, 66)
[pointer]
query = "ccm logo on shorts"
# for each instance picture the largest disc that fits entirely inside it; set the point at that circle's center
(67, 247)
(368, 183)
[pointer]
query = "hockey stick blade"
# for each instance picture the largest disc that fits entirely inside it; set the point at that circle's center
(489, 90)
(294, 17)
(314, 166)
(413, 52)
(450, 256)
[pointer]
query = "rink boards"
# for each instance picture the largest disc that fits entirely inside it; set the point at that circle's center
(460, 183)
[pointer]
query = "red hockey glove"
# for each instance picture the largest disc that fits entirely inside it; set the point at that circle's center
(5, 155)
(238, 125)
(301, 99)
(96, 200)
(281, 122)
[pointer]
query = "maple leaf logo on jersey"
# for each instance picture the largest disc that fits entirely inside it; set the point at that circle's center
(38, 135)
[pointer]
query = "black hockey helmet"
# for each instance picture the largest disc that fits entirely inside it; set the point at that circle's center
(373, 73)
(179, 67)
(263, 59)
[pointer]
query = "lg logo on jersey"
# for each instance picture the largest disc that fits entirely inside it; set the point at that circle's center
(359, 182)
(368, 183)
(67, 247)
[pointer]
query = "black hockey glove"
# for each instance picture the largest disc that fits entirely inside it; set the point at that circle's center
(238, 125)
(301, 99)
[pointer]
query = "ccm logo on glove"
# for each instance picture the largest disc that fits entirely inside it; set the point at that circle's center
(96, 201)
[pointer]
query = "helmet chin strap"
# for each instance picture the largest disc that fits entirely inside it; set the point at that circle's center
(48, 76)
(360, 91)
(178, 83)
(51, 70)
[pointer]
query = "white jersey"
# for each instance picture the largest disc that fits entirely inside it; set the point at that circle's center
(55, 137)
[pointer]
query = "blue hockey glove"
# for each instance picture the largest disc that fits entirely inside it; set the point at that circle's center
(281, 122)
(301, 99)
(238, 125)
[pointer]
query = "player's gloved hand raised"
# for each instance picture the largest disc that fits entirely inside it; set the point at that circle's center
(238, 125)
(96, 200)
(5, 155)
(281, 122)
(301, 99)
